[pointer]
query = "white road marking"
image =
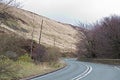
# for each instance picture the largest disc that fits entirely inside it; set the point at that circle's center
(84, 74)
(117, 67)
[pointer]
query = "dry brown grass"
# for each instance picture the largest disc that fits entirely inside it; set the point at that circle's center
(65, 35)
(30, 69)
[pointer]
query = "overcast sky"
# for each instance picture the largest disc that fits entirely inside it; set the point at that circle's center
(72, 11)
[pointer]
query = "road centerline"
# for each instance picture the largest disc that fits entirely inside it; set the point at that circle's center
(84, 74)
(117, 67)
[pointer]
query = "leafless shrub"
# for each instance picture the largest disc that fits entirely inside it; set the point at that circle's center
(10, 45)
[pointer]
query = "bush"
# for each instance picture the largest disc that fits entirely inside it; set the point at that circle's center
(26, 45)
(10, 45)
(42, 54)
(11, 55)
(25, 58)
(8, 69)
(14, 46)
(52, 54)
(39, 51)
(68, 54)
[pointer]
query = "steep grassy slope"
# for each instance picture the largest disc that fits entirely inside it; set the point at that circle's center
(22, 22)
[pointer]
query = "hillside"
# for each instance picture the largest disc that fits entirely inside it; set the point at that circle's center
(54, 33)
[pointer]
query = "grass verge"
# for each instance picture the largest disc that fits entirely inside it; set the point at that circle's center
(30, 69)
(103, 61)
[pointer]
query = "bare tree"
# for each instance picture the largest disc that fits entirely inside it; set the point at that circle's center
(103, 40)
(86, 44)
(5, 4)
(4, 8)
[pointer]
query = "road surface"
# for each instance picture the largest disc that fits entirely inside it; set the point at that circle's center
(76, 70)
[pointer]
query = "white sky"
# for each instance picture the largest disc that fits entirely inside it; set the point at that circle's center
(72, 11)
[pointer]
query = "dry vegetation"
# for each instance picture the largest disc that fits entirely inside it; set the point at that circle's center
(30, 69)
(102, 61)
(16, 27)
(21, 22)
(17, 62)
(102, 41)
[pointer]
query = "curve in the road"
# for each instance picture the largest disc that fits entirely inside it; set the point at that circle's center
(73, 68)
(77, 70)
(84, 74)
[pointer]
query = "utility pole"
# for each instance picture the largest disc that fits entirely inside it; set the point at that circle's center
(32, 35)
(63, 48)
(71, 48)
(41, 27)
(54, 41)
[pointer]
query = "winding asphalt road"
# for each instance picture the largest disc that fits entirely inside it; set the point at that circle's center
(76, 70)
